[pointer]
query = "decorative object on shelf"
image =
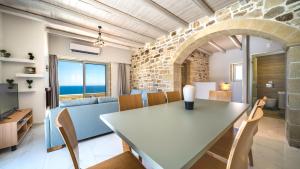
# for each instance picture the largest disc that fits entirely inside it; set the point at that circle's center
(30, 70)
(31, 57)
(189, 96)
(29, 82)
(225, 86)
(10, 83)
(4, 53)
(99, 42)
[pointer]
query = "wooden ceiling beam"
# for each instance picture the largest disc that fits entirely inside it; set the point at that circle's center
(115, 10)
(166, 12)
(55, 23)
(204, 5)
(235, 41)
(101, 22)
(216, 46)
(204, 51)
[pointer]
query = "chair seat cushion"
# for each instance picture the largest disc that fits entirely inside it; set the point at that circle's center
(123, 161)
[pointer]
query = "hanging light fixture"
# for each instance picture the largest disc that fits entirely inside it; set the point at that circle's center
(99, 42)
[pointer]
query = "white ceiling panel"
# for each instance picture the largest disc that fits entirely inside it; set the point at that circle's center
(219, 4)
(138, 21)
(185, 9)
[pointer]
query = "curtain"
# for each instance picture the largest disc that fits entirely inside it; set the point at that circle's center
(123, 84)
(53, 81)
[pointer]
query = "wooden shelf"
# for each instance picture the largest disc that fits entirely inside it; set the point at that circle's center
(24, 75)
(17, 60)
(15, 127)
(26, 90)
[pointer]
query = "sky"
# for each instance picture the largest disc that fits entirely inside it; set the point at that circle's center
(70, 73)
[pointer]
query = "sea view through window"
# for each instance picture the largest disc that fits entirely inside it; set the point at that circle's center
(77, 78)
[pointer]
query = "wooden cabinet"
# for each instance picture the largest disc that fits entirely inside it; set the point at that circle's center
(220, 95)
(14, 128)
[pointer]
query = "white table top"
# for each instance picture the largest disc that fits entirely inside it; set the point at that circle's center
(170, 137)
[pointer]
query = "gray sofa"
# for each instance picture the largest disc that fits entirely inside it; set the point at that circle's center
(85, 116)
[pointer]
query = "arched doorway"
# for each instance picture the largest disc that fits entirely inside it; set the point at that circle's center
(288, 36)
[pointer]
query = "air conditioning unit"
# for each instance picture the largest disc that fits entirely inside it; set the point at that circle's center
(84, 49)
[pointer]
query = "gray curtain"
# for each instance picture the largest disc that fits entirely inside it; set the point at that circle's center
(122, 79)
(53, 81)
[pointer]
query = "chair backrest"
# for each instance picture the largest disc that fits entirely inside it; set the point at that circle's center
(253, 110)
(262, 102)
(156, 98)
(128, 102)
(173, 96)
(238, 157)
(66, 128)
(220, 95)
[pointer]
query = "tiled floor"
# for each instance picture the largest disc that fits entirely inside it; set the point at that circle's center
(270, 150)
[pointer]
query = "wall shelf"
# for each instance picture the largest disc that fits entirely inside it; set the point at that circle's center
(26, 90)
(17, 60)
(24, 75)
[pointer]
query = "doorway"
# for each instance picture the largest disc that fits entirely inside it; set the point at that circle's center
(269, 79)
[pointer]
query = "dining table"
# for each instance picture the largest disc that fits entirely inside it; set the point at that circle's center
(167, 136)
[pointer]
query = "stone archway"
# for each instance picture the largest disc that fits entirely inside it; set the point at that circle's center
(285, 34)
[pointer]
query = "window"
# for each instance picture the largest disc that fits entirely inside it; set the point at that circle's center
(80, 79)
(236, 72)
(70, 77)
(95, 78)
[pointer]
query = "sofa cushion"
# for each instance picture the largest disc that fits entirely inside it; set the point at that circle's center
(106, 99)
(85, 118)
(78, 102)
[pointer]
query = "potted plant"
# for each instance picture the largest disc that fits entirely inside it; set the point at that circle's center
(29, 82)
(31, 57)
(4, 53)
(10, 83)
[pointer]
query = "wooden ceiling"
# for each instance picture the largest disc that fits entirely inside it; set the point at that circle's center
(129, 23)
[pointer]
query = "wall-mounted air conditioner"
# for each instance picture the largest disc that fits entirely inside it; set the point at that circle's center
(84, 49)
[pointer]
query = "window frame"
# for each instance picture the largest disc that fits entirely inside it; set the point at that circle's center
(83, 62)
(233, 72)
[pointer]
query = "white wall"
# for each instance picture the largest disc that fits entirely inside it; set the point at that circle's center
(60, 46)
(261, 45)
(219, 63)
(1, 44)
(21, 36)
(219, 70)
(1, 35)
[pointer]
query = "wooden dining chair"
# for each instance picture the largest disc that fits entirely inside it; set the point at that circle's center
(221, 148)
(156, 98)
(66, 128)
(238, 157)
(173, 96)
(220, 95)
(128, 102)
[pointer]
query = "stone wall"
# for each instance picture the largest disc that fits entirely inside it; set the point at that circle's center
(293, 95)
(196, 68)
(153, 66)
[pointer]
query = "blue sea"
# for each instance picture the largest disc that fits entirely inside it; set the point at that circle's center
(65, 90)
